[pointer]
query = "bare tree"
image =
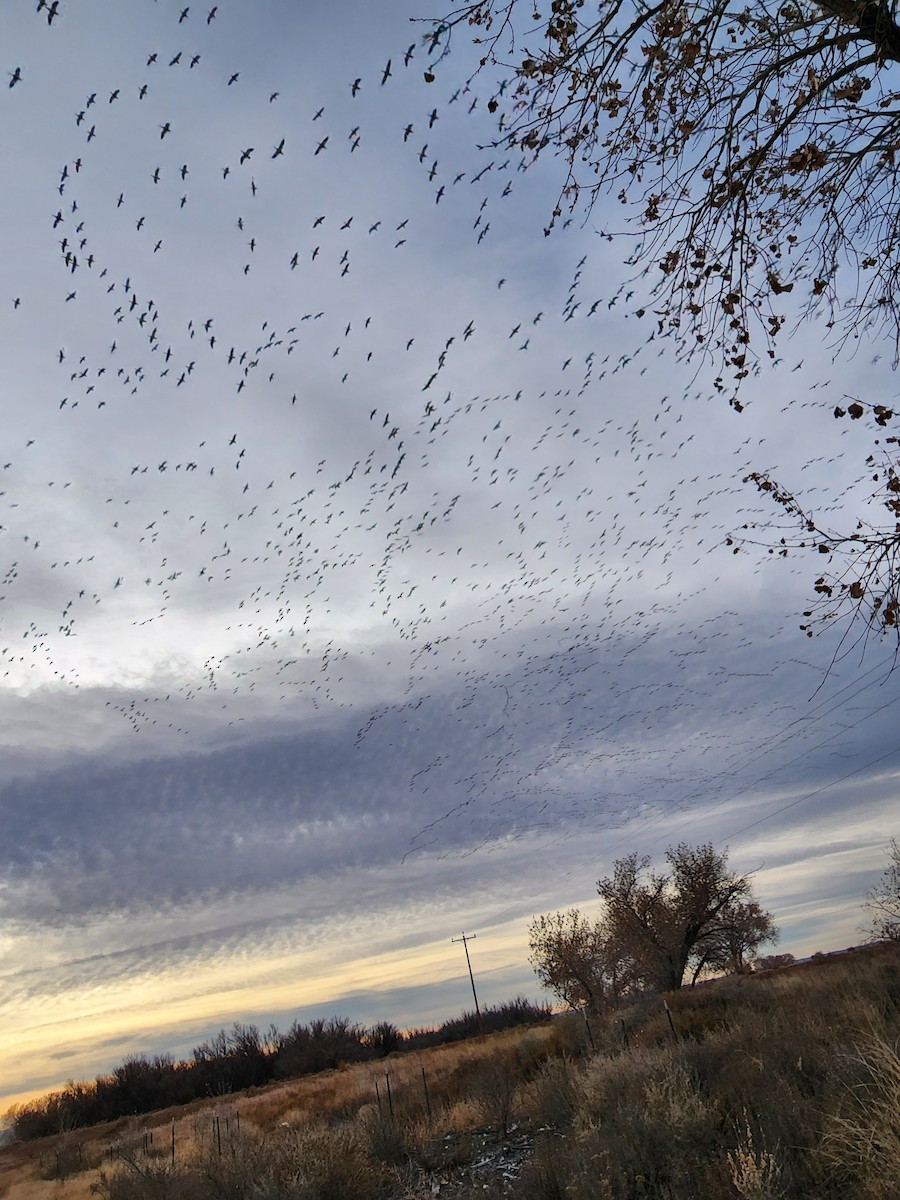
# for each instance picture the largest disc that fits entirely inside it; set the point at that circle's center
(861, 576)
(752, 152)
(654, 928)
(574, 959)
(883, 901)
(773, 962)
(742, 928)
(691, 915)
(752, 145)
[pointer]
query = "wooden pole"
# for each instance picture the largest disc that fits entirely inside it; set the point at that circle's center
(465, 941)
(671, 1022)
(425, 1090)
(587, 1026)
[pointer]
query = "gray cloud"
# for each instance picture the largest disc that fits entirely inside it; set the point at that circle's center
(415, 612)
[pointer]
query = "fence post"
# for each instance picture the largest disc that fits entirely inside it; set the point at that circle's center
(378, 1096)
(671, 1022)
(587, 1025)
(387, 1077)
(425, 1090)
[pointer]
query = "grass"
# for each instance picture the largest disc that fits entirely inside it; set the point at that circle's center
(777, 1086)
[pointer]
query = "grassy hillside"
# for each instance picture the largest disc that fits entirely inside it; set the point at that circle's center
(751, 1088)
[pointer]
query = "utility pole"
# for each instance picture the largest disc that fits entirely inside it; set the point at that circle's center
(465, 939)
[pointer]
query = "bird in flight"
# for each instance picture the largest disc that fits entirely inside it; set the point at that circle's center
(15, 77)
(279, 149)
(355, 86)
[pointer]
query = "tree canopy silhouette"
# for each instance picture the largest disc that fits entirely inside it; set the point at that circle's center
(654, 928)
(752, 150)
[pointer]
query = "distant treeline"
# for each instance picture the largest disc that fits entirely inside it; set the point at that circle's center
(243, 1057)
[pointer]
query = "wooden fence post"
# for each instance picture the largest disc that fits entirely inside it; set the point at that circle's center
(671, 1022)
(425, 1090)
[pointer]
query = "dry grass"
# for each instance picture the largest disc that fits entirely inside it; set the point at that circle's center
(775, 1087)
(272, 1116)
(862, 1137)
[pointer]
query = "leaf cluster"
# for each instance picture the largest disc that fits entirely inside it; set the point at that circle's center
(752, 148)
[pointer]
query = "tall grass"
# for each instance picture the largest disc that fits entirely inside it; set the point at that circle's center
(769, 1088)
(786, 1086)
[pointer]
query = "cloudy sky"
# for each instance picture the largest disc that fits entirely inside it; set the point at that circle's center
(363, 574)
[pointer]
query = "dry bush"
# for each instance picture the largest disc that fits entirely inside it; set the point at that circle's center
(566, 1036)
(747, 1102)
(392, 1140)
(755, 1171)
(862, 1139)
(757, 1099)
(641, 1124)
(140, 1180)
(546, 1173)
(554, 1094)
(77, 1188)
(333, 1165)
(494, 1088)
(313, 1163)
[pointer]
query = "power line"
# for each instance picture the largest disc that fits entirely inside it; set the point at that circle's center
(816, 791)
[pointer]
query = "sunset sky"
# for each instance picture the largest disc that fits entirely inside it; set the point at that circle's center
(363, 564)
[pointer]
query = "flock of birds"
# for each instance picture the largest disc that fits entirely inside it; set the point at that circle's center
(329, 436)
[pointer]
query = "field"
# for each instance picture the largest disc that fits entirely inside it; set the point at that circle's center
(785, 1084)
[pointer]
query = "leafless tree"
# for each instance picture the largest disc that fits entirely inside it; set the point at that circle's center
(575, 960)
(753, 146)
(654, 927)
(698, 913)
(752, 151)
(861, 575)
(883, 901)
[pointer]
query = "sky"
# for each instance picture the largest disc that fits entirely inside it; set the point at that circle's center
(363, 562)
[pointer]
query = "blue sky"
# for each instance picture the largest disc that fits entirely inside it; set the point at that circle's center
(364, 564)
